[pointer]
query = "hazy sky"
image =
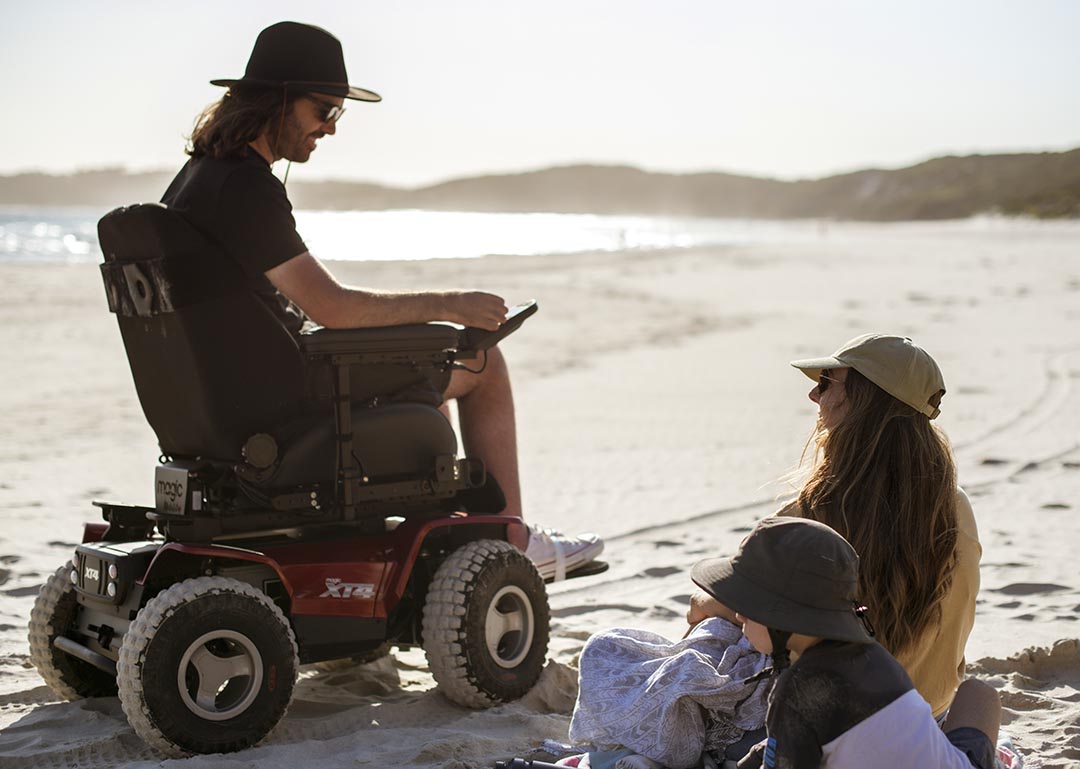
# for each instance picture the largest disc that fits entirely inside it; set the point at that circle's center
(788, 89)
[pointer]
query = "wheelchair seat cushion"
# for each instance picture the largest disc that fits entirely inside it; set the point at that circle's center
(398, 440)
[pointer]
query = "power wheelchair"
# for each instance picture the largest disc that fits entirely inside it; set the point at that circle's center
(292, 522)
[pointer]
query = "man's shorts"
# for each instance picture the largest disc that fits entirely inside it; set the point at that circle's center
(380, 383)
(398, 384)
(973, 744)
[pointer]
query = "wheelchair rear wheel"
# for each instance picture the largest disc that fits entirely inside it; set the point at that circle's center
(485, 624)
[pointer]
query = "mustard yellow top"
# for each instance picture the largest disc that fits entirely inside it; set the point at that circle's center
(935, 661)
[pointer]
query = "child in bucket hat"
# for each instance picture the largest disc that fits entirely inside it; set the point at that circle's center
(845, 703)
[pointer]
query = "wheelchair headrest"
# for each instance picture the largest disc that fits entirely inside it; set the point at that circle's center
(156, 262)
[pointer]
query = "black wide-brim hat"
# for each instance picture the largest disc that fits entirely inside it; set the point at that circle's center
(299, 57)
(790, 574)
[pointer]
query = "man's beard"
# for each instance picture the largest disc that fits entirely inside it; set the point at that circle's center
(292, 144)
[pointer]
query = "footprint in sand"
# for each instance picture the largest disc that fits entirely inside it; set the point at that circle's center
(1056, 506)
(1029, 588)
(664, 612)
(992, 461)
(1023, 701)
(570, 611)
(661, 571)
(666, 543)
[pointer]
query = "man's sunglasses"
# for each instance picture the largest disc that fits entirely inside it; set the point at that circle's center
(328, 113)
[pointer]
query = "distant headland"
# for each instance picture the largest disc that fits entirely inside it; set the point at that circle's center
(1045, 185)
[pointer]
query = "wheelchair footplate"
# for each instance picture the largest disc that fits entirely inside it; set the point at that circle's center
(585, 570)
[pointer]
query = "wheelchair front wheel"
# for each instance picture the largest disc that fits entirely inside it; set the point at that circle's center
(485, 624)
(53, 615)
(208, 666)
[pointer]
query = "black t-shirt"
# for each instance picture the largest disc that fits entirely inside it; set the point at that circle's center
(830, 689)
(240, 205)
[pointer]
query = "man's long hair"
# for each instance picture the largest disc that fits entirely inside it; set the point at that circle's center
(885, 479)
(228, 125)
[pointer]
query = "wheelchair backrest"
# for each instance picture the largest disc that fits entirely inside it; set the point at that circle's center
(211, 363)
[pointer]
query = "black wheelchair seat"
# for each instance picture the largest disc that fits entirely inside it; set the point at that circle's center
(226, 385)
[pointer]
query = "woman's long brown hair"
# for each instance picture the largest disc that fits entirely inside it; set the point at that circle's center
(228, 125)
(885, 479)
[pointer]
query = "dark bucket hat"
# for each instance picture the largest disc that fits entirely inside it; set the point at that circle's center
(790, 574)
(299, 57)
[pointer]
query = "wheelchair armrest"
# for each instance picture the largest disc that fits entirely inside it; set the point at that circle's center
(416, 338)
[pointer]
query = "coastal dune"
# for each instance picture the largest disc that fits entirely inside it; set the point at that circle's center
(657, 408)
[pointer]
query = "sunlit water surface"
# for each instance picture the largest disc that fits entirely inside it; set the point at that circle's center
(55, 234)
(70, 234)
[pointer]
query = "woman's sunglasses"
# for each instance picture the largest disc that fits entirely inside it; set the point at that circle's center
(328, 113)
(824, 380)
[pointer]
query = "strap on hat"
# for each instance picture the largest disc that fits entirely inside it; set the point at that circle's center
(934, 402)
(861, 612)
(781, 656)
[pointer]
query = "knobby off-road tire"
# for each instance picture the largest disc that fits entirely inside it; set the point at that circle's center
(208, 666)
(54, 615)
(486, 624)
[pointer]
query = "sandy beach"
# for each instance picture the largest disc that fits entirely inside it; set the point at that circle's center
(657, 408)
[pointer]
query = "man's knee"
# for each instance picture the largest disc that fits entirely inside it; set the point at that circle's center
(495, 366)
(493, 369)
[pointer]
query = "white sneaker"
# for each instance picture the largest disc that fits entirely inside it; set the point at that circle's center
(555, 554)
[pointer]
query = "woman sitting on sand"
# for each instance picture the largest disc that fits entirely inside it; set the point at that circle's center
(884, 478)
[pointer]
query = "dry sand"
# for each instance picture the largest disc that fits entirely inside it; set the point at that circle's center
(656, 407)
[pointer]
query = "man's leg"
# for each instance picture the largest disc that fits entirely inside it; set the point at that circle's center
(486, 413)
(488, 431)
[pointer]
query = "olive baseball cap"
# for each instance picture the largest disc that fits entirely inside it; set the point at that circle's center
(790, 574)
(894, 363)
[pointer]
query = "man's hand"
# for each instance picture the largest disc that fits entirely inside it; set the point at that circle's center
(703, 606)
(475, 308)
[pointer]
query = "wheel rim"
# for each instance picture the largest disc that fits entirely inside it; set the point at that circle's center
(220, 675)
(509, 627)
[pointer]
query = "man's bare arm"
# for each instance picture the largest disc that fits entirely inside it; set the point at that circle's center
(305, 281)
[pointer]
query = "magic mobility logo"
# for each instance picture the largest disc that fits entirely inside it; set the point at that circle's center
(171, 490)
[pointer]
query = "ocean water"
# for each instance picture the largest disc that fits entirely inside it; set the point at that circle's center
(70, 234)
(56, 234)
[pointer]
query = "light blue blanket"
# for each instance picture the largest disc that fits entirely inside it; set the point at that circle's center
(668, 700)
